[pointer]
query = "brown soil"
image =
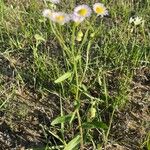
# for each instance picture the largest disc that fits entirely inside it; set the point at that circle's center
(23, 125)
(132, 124)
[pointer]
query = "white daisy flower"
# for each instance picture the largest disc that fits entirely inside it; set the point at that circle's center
(47, 13)
(60, 17)
(77, 19)
(82, 11)
(100, 9)
(136, 21)
(54, 1)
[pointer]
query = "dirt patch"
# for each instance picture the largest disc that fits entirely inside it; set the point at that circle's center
(132, 124)
(22, 125)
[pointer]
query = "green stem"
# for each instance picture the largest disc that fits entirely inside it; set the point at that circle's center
(110, 123)
(87, 61)
(75, 62)
(84, 40)
(81, 130)
(60, 39)
(73, 39)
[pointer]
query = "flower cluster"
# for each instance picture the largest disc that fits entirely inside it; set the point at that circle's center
(136, 20)
(79, 14)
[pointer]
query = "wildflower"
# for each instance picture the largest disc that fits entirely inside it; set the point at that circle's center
(131, 20)
(47, 13)
(60, 17)
(55, 1)
(100, 9)
(82, 11)
(136, 21)
(77, 19)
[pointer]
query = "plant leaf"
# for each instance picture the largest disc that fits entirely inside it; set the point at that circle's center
(73, 143)
(95, 124)
(63, 77)
(61, 119)
(39, 37)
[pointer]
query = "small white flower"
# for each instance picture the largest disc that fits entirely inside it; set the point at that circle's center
(54, 1)
(47, 13)
(136, 21)
(82, 11)
(60, 17)
(100, 9)
(131, 20)
(77, 19)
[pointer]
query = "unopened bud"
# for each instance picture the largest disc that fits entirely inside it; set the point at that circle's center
(92, 35)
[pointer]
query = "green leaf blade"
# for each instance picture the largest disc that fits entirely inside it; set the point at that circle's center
(95, 124)
(73, 143)
(63, 77)
(61, 119)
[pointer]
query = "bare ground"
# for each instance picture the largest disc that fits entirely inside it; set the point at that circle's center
(23, 124)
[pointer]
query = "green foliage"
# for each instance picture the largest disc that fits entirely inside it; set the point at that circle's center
(95, 124)
(89, 66)
(63, 77)
(62, 119)
(73, 143)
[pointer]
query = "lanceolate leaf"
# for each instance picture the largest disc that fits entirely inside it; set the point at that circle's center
(95, 124)
(100, 125)
(61, 119)
(63, 77)
(73, 143)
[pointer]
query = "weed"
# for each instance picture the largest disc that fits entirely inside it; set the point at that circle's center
(73, 62)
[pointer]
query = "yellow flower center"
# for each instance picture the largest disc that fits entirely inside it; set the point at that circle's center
(60, 18)
(82, 12)
(99, 10)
